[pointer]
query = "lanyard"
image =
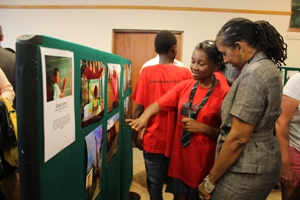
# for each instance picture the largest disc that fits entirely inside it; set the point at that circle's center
(191, 113)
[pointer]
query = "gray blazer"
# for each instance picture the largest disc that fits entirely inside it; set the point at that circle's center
(255, 97)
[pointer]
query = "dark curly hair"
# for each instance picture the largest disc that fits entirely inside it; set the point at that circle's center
(164, 40)
(211, 50)
(260, 35)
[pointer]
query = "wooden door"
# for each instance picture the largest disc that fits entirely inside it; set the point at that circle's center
(138, 46)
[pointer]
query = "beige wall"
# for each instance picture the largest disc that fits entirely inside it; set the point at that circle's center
(93, 27)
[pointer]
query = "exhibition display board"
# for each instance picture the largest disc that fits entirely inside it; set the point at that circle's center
(284, 72)
(71, 102)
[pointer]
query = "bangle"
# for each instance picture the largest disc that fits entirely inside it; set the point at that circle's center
(208, 186)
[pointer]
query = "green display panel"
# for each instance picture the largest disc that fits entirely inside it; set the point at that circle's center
(98, 108)
(284, 72)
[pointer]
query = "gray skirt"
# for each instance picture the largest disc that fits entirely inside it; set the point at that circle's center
(239, 186)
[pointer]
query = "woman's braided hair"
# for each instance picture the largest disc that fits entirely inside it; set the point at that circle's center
(260, 34)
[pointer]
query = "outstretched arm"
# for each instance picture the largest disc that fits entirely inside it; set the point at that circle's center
(140, 123)
(135, 134)
(62, 92)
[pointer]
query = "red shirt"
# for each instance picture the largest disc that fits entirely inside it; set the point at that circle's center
(154, 82)
(192, 163)
(221, 78)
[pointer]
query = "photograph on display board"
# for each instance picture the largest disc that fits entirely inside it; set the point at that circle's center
(58, 100)
(113, 128)
(127, 108)
(126, 77)
(92, 91)
(94, 143)
(113, 86)
(58, 77)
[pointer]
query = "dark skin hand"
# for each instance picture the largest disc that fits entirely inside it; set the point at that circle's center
(190, 125)
(136, 134)
(142, 116)
(193, 126)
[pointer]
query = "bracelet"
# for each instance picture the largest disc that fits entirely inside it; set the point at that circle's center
(208, 186)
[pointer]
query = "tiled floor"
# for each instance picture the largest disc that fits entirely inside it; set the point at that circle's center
(139, 184)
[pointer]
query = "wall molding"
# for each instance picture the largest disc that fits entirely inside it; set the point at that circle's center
(127, 7)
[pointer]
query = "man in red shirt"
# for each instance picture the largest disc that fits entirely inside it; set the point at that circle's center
(155, 81)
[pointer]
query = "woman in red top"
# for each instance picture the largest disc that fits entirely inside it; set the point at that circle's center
(198, 105)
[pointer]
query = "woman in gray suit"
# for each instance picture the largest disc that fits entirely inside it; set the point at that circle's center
(248, 162)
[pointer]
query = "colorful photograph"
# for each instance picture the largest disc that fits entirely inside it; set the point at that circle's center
(92, 91)
(113, 129)
(126, 77)
(94, 143)
(58, 77)
(58, 100)
(113, 86)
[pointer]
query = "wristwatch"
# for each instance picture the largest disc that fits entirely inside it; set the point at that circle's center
(208, 186)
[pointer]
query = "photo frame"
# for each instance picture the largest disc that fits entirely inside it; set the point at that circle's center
(92, 91)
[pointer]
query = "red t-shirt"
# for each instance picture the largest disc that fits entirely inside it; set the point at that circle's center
(220, 76)
(154, 82)
(192, 163)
